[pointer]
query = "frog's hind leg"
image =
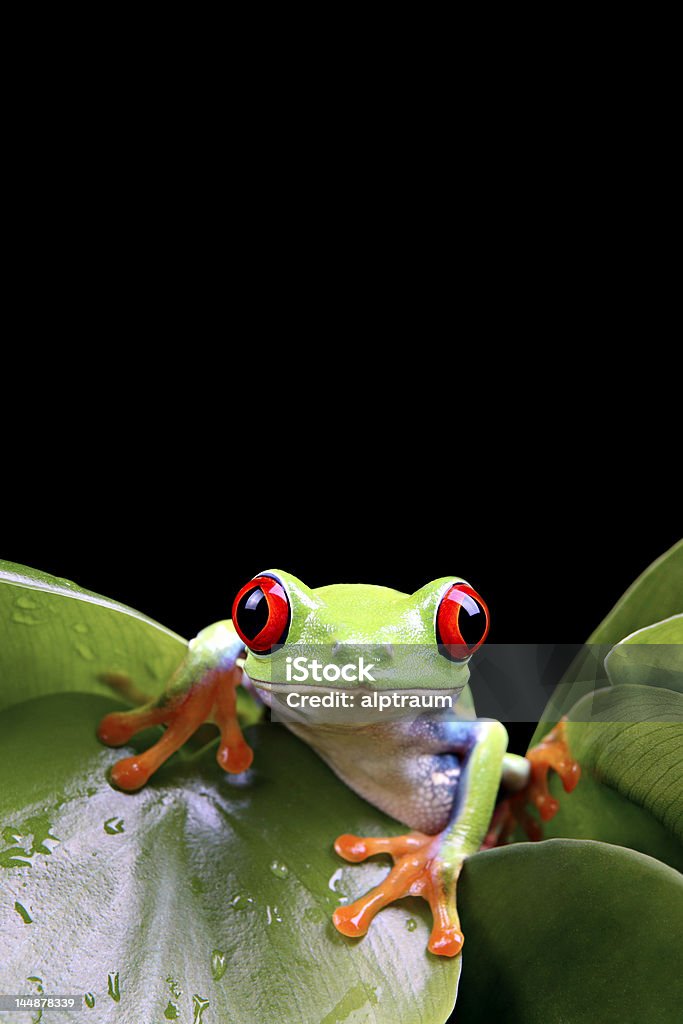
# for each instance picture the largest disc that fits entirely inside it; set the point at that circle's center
(429, 866)
(201, 691)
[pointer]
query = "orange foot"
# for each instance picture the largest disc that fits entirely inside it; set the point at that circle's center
(552, 752)
(210, 698)
(419, 870)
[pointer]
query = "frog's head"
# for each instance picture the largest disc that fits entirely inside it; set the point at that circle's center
(413, 641)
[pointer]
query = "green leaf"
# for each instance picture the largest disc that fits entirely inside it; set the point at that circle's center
(201, 886)
(657, 594)
(569, 932)
(57, 637)
(629, 742)
(652, 656)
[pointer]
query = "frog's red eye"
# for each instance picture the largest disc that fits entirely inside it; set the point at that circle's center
(462, 622)
(260, 614)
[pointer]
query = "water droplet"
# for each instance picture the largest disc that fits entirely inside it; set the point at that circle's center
(14, 857)
(89, 999)
(411, 924)
(80, 627)
(39, 988)
(26, 602)
(113, 826)
(241, 900)
(85, 652)
(64, 582)
(30, 837)
(173, 985)
(335, 884)
(279, 869)
(335, 879)
(25, 619)
(171, 1011)
(199, 1005)
(219, 964)
(273, 914)
(23, 913)
(316, 915)
(113, 988)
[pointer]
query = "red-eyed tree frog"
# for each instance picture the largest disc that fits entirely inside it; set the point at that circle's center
(438, 773)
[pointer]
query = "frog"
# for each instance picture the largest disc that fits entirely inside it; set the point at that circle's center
(440, 772)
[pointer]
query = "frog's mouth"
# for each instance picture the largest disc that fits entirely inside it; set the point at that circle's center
(356, 690)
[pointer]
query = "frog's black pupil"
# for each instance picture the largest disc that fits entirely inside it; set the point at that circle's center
(472, 625)
(252, 613)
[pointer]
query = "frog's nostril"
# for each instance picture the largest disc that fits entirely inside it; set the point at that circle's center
(381, 654)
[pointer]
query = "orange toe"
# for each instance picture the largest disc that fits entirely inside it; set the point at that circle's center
(130, 773)
(236, 758)
(353, 920)
(351, 848)
(446, 941)
(116, 728)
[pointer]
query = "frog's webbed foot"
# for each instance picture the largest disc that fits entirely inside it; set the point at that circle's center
(552, 752)
(419, 870)
(209, 698)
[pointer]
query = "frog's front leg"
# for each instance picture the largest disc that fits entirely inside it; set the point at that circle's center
(429, 865)
(201, 690)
